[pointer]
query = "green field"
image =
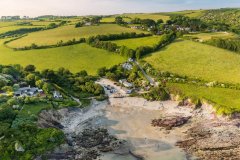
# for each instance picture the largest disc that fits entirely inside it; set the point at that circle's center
(34, 109)
(136, 42)
(4, 24)
(12, 28)
(112, 20)
(198, 60)
(208, 36)
(75, 58)
(226, 100)
(65, 33)
(153, 16)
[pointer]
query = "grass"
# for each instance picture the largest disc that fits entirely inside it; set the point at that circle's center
(226, 100)
(68, 32)
(12, 28)
(136, 42)
(75, 58)
(198, 60)
(188, 13)
(112, 20)
(153, 16)
(35, 109)
(208, 36)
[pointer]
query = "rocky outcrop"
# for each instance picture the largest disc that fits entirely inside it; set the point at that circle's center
(170, 122)
(50, 119)
(213, 141)
(88, 145)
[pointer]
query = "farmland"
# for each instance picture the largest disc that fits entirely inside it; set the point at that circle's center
(12, 28)
(136, 42)
(188, 13)
(69, 32)
(207, 36)
(197, 60)
(228, 100)
(79, 57)
(112, 19)
(154, 16)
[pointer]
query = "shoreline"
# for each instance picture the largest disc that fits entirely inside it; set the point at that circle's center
(129, 119)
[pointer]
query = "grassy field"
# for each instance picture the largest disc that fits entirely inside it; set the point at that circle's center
(154, 16)
(226, 100)
(12, 28)
(75, 58)
(136, 42)
(208, 36)
(188, 13)
(34, 109)
(4, 24)
(198, 60)
(112, 19)
(68, 32)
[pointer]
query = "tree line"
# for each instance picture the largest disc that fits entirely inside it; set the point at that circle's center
(130, 53)
(232, 44)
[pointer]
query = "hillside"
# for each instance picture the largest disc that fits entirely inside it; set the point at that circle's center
(75, 58)
(68, 32)
(227, 16)
(197, 60)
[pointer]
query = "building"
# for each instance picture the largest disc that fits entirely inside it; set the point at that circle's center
(125, 83)
(28, 91)
(127, 66)
(57, 95)
(10, 17)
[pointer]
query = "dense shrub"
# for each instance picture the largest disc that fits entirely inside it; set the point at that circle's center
(229, 44)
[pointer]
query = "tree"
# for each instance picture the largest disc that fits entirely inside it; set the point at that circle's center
(47, 88)
(82, 73)
(31, 78)
(12, 102)
(39, 83)
(160, 21)
(119, 20)
(96, 20)
(79, 24)
(102, 71)
(7, 89)
(30, 68)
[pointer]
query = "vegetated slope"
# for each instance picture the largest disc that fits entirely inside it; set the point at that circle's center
(75, 58)
(69, 32)
(153, 16)
(227, 16)
(188, 13)
(208, 36)
(198, 60)
(225, 100)
(133, 43)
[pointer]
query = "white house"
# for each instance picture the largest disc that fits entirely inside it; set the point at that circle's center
(127, 66)
(125, 83)
(28, 91)
(57, 95)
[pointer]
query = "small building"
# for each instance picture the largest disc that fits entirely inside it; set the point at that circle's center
(130, 60)
(28, 91)
(125, 83)
(57, 95)
(127, 66)
(88, 24)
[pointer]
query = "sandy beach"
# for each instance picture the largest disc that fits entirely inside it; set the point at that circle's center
(129, 119)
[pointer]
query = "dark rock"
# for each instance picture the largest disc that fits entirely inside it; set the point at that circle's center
(49, 119)
(169, 123)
